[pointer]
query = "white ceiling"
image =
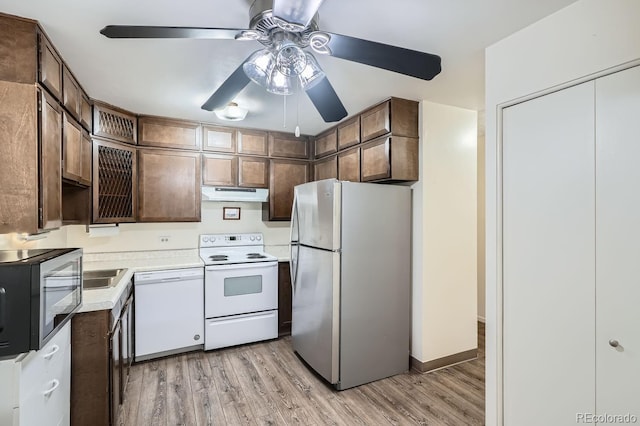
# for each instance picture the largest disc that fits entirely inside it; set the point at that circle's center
(174, 77)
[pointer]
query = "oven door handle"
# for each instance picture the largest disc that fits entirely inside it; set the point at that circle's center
(250, 265)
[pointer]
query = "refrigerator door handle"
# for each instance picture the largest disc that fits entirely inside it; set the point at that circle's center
(293, 267)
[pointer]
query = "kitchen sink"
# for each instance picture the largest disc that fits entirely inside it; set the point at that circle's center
(102, 278)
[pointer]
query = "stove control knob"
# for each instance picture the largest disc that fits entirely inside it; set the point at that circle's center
(213, 239)
(259, 237)
(205, 239)
(252, 238)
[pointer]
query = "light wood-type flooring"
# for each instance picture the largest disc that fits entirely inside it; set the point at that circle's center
(266, 384)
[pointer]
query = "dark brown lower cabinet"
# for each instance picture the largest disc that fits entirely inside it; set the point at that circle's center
(284, 299)
(100, 356)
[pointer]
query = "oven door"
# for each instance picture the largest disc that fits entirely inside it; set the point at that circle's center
(240, 288)
(60, 292)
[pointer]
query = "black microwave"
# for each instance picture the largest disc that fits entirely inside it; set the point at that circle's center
(40, 290)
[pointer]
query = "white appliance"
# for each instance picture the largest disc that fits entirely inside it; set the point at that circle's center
(241, 290)
(247, 195)
(169, 312)
(351, 279)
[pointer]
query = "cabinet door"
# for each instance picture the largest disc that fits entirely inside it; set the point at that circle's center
(253, 172)
(220, 170)
(252, 142)
(326, 168)
(326, 144)
(349, 133)
(349, 165)
(114, 124)
(284, 299)
(168, 197)
(284, 175)
(617, 243)
(548, 289)
(219, 139)
(287, 145)
(50, 163)
(72, 143)
(166, 133)
(85, 112)
(115, 365)
(49, 66)
(115, 179)
(375, 122)
(85, 160)
(71, 93)
(376, 160)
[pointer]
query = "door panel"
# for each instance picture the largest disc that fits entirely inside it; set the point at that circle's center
(315, 315)
(618, 243)
(548, 251)
(318, 208)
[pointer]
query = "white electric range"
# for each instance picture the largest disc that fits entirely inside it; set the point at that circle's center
(240, 290)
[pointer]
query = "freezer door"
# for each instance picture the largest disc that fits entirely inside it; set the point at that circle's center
(318, 214)
(315, 324)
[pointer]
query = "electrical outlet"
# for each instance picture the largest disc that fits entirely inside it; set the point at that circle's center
(164, 238)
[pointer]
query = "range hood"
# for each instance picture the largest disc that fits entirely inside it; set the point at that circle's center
(247, 195)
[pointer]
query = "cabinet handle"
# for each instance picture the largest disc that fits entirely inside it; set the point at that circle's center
(614, 343)
(54, 349)
(54, 385)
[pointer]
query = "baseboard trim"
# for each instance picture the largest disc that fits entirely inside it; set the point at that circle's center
(447, 361)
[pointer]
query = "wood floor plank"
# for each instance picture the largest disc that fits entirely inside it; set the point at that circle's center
(208, 410)
(265, 383)
(152, 408)
(180, 408)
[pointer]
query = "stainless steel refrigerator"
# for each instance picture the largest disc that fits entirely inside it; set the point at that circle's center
(351, 279)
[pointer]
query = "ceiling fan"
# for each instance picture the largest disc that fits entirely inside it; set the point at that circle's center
(285, 28)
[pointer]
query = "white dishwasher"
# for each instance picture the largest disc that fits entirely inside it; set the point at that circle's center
(169, 312)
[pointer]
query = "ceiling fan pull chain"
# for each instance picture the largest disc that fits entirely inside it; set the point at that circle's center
(284, 112)
(297, 131)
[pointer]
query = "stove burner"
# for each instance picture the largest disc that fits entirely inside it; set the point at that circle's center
(255, 256)
(218, 257)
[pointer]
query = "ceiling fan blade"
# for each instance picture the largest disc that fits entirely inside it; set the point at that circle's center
(297, 12)
(133, 31)
(229, 89)
(326, 101)
(397, 59)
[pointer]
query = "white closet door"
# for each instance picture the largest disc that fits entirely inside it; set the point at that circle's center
(618, 243)
(548, 260)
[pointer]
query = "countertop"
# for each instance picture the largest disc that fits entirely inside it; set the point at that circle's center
(106, 298)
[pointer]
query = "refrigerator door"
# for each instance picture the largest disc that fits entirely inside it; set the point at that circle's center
(315, 325)
(318, 212)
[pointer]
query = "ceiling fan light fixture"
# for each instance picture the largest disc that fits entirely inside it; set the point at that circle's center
(311, 74)
(280, 84)
(259, 65)
(232, 112)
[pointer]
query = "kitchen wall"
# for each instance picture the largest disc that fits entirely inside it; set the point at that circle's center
(444, 289)
(585, 38)
(147, 236)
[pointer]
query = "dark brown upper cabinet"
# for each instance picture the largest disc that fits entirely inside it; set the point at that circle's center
(326, 168)
(284, 175)
(168, 186)
(349, 165)
(252, 142)
(390, 158)
(288, 146)
(114, 123)
(219, 139)
(71, 93)
(49, 66)
(85, 112)
(115, 182)
(168, 133)
(72, 145)
(253, 172)
(349, 133)
(219, 170)
(396, 116)
(326, 143)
